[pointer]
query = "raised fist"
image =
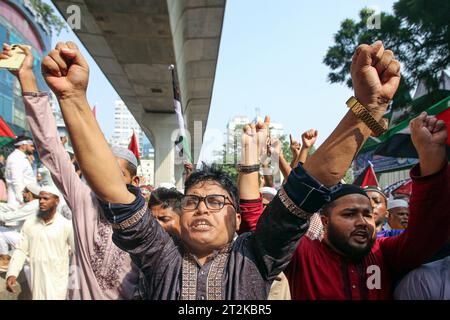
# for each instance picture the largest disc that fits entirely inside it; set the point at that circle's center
(254, 141)
(309, 138)
(66, 71)
(375, 75)
(427, 132)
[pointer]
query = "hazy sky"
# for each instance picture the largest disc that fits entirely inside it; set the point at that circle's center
(270, 58)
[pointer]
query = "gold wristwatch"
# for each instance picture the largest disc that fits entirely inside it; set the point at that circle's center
(362, 113)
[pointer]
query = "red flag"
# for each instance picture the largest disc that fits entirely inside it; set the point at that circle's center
(94, 111)
(134, 147)
(405, 188)
(367, 177)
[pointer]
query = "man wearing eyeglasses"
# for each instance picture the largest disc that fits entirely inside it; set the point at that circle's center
(208, 262)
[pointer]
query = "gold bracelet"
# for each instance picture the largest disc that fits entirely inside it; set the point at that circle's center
(362, 113)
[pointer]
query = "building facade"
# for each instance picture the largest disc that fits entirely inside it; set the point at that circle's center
(124, 124)
(21, 24)
(147, 170)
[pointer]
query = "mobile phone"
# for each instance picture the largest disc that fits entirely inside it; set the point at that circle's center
(15, 61)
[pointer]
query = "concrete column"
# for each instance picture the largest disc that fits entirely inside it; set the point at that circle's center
(161, 127)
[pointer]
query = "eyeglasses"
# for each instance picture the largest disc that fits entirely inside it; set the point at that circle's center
(212, 201)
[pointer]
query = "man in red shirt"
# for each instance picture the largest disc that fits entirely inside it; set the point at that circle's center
(350, 263)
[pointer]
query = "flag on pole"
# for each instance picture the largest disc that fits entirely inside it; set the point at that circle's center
(396, 142)
(181, 144)
(367, 177)
(134, 146)
(405, 188)
(6, 134)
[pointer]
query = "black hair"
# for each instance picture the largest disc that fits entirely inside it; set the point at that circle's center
(326, 209)
(168, 198)
(214, 173)
(131, 168)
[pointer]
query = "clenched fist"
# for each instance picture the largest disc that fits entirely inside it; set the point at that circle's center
(375, 76)
(429, 137)
(65, 70)
(254, 142)
(309, 138)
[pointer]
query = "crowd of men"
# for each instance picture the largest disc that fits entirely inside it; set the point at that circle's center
(312, 237)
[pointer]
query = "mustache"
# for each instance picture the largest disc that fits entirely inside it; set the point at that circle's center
(360, 231)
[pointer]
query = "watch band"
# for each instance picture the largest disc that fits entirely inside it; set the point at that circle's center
(362, 113)
(248, 169)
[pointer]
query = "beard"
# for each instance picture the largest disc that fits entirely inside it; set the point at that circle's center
(44, 214)
(340, 242)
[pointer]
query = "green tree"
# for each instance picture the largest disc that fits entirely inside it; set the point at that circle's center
(418, 33)
(51, 19)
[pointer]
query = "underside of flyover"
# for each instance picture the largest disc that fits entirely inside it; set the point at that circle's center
(134, 41)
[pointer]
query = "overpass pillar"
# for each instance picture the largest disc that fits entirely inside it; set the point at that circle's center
(162, 126)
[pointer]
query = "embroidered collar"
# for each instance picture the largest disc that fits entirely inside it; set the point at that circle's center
(214, 280)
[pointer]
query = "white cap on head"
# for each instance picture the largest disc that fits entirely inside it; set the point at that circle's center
(268, 190)
(23, 142)
(397, 204)
(34, 188)
(51, 189)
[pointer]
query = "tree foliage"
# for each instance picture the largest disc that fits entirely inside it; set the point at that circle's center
(418, 33)
(55, 23)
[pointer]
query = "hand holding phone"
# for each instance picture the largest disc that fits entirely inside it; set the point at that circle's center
(15, 59)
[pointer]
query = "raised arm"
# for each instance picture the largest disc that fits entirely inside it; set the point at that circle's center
(66, 72)
(283, 165)
(429, 218)
(375, 76)
(308, 140)
(295, 148)
(253, 138)
(43, 127)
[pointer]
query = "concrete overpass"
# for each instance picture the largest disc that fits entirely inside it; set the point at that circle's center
(134, 41)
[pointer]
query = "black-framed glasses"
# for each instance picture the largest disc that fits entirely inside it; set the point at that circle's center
(212, 201)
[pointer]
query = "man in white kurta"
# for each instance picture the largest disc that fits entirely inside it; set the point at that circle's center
(12, 219)
(18, 170)
(47, 242)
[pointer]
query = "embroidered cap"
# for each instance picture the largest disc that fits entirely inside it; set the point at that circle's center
(341, 190)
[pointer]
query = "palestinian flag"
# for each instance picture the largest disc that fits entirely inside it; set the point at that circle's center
(367, 177)
(6, 134)
(396, 142)
(181, 143)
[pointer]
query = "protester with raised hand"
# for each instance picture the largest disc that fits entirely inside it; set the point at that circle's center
(309, 138)
(251, 200)
(208, 263)
(336, 268)
(103, 270)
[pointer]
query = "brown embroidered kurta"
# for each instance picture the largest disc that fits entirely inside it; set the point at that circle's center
(244, 269)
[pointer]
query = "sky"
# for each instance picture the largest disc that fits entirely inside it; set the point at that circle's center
(271, 58)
